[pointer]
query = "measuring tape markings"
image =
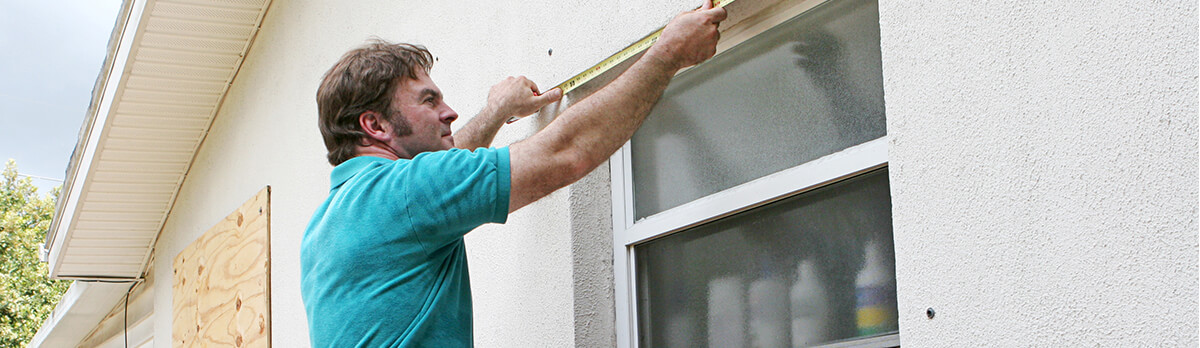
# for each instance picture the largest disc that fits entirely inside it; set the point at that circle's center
(615, 59)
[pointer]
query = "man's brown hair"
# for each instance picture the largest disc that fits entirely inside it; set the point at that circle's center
(364, 79)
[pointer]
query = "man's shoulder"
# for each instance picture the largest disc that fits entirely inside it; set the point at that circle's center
(370, 172)
(446, 161)
(483, 153)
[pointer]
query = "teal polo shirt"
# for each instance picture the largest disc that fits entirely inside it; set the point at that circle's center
(382, 262)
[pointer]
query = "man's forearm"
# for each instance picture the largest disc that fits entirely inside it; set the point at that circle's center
(480, 130)
(590, 131)
(599, 124)
(584, 135)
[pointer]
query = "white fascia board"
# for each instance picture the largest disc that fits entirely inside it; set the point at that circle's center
(64, 219)
(83, 306)
(137, 334)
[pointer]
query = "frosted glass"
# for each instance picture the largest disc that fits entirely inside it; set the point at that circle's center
(805, 89)
(814, 268)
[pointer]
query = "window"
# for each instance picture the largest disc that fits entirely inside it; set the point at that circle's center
(752, 208)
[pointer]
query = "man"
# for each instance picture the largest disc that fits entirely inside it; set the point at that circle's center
(383, 261)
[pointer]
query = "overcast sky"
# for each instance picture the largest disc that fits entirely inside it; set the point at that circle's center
(50, 55)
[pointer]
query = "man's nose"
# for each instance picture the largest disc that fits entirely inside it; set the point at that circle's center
(449, 115)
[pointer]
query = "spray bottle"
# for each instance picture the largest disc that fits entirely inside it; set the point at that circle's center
(875, 294)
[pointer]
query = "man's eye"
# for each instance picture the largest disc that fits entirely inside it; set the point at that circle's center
(429, 100)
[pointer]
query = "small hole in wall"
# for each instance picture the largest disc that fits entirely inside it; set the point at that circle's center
(550, 52)
(930, 313)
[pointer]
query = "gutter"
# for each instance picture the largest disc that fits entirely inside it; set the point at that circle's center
(85, 303)
(85, 131)
(81, 308)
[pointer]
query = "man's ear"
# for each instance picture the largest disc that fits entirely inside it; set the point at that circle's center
(376, 127)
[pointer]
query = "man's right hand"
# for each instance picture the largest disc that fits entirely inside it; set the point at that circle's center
(690, 38)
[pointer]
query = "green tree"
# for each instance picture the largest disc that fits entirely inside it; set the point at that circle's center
(27, 295)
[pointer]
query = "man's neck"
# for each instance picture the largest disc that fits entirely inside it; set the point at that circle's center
(379, 150)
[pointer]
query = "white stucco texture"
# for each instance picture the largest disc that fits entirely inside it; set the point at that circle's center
(266, 134)
(1043, 162)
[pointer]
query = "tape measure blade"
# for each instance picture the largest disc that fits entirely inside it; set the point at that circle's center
(610, 62)
(619, 57)
(614, 60)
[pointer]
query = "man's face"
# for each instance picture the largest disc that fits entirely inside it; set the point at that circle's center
(419, 103)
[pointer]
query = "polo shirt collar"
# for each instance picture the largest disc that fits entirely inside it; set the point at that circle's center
(349, 168)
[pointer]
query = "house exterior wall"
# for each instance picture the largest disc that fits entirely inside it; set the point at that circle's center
(1043, 162)
(523, 282)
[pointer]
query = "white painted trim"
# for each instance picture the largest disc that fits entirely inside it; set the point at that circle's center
(81, 178)
(816, 173)
(764, 20)
(631, 292)
(622, 215)
(760, 22)
(139, 333)
(883, 341)
(624, 296)
(627, 166)
(78, 311)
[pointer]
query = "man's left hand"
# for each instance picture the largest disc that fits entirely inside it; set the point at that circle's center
(518, 97)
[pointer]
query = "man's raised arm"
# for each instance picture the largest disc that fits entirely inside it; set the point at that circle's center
(590, 131)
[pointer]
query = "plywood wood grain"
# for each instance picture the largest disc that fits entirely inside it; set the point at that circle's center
(221, 289)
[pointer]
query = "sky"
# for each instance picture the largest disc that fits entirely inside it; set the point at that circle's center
(50, 55)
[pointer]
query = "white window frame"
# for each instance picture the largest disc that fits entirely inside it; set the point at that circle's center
(789, 182)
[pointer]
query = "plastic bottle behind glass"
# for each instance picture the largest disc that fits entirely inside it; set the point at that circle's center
(727, 312)
(810, 306)
(875, 294)
(768, 297)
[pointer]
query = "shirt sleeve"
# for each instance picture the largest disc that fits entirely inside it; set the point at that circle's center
(453, 192)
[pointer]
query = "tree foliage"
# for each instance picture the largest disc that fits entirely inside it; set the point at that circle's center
(27, 295)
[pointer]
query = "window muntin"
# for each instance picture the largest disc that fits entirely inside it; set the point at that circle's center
(813, 85)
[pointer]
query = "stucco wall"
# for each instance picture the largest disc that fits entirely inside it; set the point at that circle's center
(1043, 164)
(265, 134)
(1043, 171)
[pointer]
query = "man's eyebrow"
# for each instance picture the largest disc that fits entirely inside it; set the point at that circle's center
(429, 92)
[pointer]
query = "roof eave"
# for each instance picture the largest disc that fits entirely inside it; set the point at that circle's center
(168, 67)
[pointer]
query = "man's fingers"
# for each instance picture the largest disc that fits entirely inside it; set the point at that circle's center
(719, 14)
(521, 81)
(553, 95)
(715, 15)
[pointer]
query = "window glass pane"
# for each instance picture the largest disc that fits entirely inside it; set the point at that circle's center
(804, 89)
(813, 268)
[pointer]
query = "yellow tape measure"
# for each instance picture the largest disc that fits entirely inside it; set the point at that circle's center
(615, 59)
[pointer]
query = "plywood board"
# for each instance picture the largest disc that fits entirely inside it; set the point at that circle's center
(221, 289)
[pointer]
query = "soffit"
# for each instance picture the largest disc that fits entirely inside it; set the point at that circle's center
(168, 71)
